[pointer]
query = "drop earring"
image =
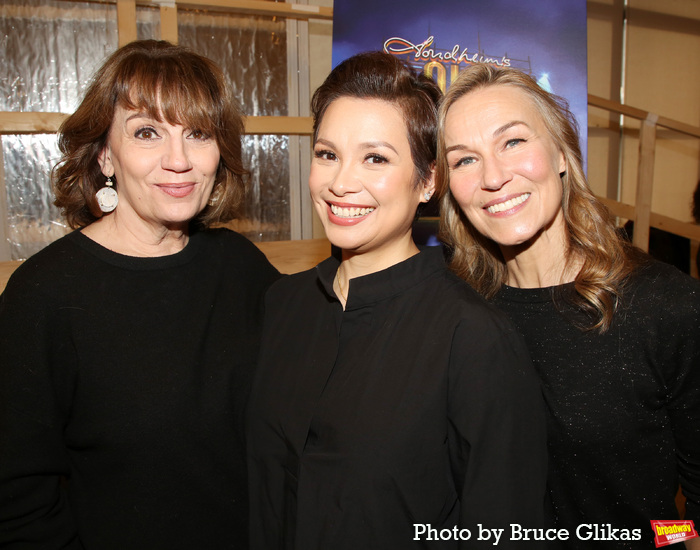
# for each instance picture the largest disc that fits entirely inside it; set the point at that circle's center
(107, 198)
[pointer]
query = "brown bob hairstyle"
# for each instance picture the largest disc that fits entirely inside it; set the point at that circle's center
(607, 259)
(166, 82)
(379, 75)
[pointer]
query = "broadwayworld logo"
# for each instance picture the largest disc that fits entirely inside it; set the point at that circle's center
(671, 532)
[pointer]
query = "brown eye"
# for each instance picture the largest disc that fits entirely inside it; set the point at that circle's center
(324, 154)
(374, 158)
(199, 134)
(146, 133)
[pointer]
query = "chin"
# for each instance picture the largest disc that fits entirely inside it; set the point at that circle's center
(344, 241)
(180, 218)
(344, 244)
(513, 240)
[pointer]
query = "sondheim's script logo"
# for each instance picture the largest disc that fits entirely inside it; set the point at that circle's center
(425, 52)
(671, 532)
(440, 64)
(585, 531)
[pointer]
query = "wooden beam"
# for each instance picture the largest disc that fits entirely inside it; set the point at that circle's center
(126, 21)
(48, 123)
(639, 114)
(645, 184)
(295, 255)
(5, 251)
(30, 122)
(689, 230)
(281, 125)
(258, 7)
(615, 107)
(7, 268)
(249, 7)
(618, 209)
(168, 22)
(684, 229)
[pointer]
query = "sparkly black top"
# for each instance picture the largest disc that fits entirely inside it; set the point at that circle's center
(624, 406)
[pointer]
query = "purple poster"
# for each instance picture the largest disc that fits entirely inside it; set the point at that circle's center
(545, 38)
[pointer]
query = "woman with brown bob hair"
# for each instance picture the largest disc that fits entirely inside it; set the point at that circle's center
(621, 382)
(166, 82)
(391, 402)
(127, 346)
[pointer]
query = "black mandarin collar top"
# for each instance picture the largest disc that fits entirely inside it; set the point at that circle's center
(369, 289)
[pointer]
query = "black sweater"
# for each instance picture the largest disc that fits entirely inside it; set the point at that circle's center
(128, 377)
(624, 406)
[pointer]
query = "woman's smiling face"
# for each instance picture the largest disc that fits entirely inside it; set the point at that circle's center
(504, 167)
(165, 173)
(362, 179)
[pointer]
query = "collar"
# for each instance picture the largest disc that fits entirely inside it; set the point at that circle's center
(375, 287)
(538, 294)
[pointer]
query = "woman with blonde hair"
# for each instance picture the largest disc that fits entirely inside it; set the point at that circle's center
(613, 334)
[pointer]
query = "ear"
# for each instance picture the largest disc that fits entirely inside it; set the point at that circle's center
(105, 160)
(562, 163)
(428, 185)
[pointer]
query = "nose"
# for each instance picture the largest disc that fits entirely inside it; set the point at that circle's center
(345, 180)
(495, 174)
(176, 156)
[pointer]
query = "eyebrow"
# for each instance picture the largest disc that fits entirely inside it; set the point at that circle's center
(365, 145)
(508, 126)
(139, 114)
(499, 131)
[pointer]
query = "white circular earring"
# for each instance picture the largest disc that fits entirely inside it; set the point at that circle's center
(107, 198)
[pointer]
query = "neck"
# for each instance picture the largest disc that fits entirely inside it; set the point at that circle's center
(357, 264)
(542, 262)
(137, 239)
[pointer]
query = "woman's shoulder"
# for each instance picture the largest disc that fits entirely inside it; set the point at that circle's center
(230, 245)
(661, 300)
(469, 311)
(222, 236)
(62, 251)
(44, 273)
(461, 294)
(295, 284)
(309, 289)
(659, 283)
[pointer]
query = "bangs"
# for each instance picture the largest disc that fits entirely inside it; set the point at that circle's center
(175, 91)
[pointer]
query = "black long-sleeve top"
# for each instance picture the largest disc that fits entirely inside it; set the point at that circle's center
(127, 378)
(417, 404)
(623, 406)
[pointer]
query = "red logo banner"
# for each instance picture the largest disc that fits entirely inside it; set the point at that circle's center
(671, 532)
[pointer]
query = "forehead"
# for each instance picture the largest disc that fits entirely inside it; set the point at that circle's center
(359, 122)
(164, 103)
(487, 109)
(363, 119)
(123, 111)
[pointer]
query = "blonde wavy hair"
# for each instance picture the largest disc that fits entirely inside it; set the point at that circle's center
(592, 238)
